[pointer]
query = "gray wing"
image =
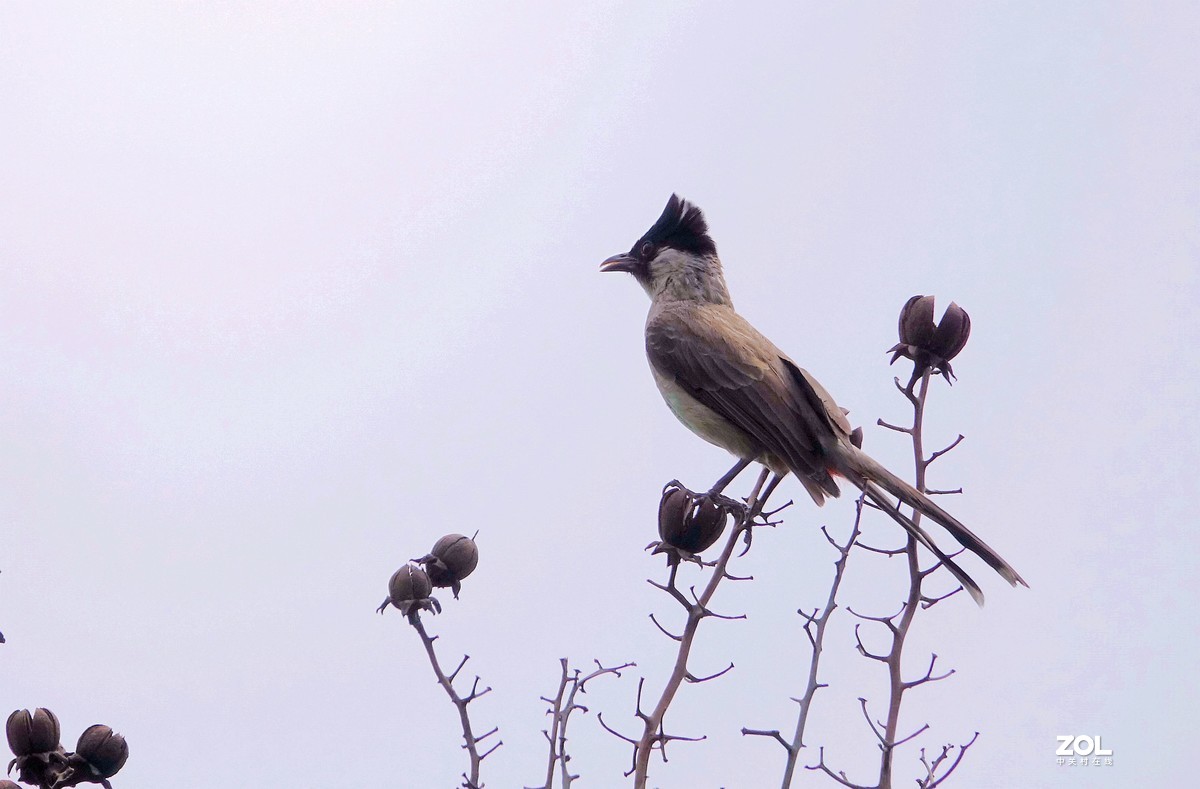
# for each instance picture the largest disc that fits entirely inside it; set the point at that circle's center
(726, 364)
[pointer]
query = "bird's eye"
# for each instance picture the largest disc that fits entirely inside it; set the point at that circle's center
(646, 250)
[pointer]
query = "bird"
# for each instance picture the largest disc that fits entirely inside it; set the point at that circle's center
(730, 385)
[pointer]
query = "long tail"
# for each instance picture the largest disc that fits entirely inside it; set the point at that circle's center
(891, 508)
(863, 470)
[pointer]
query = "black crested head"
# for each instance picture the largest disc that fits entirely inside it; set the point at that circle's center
(681, 227)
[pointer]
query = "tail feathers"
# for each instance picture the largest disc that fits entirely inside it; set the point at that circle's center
(817, 493)
(887, 505)
(872, 471)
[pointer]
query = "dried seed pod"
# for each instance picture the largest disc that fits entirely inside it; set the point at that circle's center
(708, 523)
(689, 523)
(103, 749)
(916, 321)
(409, 583)
(452, 559)
(673, 510)
(952, 332)
(36, 732)
(930, 345)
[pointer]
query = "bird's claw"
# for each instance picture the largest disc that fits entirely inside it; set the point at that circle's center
(733, 506)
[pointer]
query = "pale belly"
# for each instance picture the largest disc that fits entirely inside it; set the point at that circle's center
(705, 422)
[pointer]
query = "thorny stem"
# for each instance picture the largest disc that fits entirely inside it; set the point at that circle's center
(652, 734)
(899, 625)
(899, 629)
(815, 628)
(562, 705)
(471, 742)
(555, 725)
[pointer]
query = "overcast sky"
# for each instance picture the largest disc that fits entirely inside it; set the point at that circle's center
(288, 292)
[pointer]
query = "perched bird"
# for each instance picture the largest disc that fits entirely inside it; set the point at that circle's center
(732, 387)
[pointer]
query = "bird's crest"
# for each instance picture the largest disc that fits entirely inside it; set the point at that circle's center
(681, 227)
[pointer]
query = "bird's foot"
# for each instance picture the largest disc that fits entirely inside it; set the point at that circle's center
(736, 508)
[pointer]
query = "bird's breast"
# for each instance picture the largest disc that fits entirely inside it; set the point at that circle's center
(703, 421)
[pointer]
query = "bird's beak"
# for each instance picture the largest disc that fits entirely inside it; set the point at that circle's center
(621, 262)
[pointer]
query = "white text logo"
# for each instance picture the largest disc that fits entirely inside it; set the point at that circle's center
(1082, 749)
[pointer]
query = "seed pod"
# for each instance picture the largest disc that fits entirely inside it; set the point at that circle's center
(951, 333)
(673, 510)
(32, 733)
(452, 559)
(689, 523)
(708, 523)
(103, 749)
(930, 345)
(916, 321)
(409, 583)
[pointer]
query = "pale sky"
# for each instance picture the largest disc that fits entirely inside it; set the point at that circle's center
(289, 292)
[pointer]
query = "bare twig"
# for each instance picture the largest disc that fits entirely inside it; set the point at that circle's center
(471, 742)
(773, 733)
(900, 624)
(897, 625)
(814, 627)
(931, 778)
(890, 426)
(556, 720)
(653, 736)
(839, 776)
(570, 684)
(690, 677)
(940, 452)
